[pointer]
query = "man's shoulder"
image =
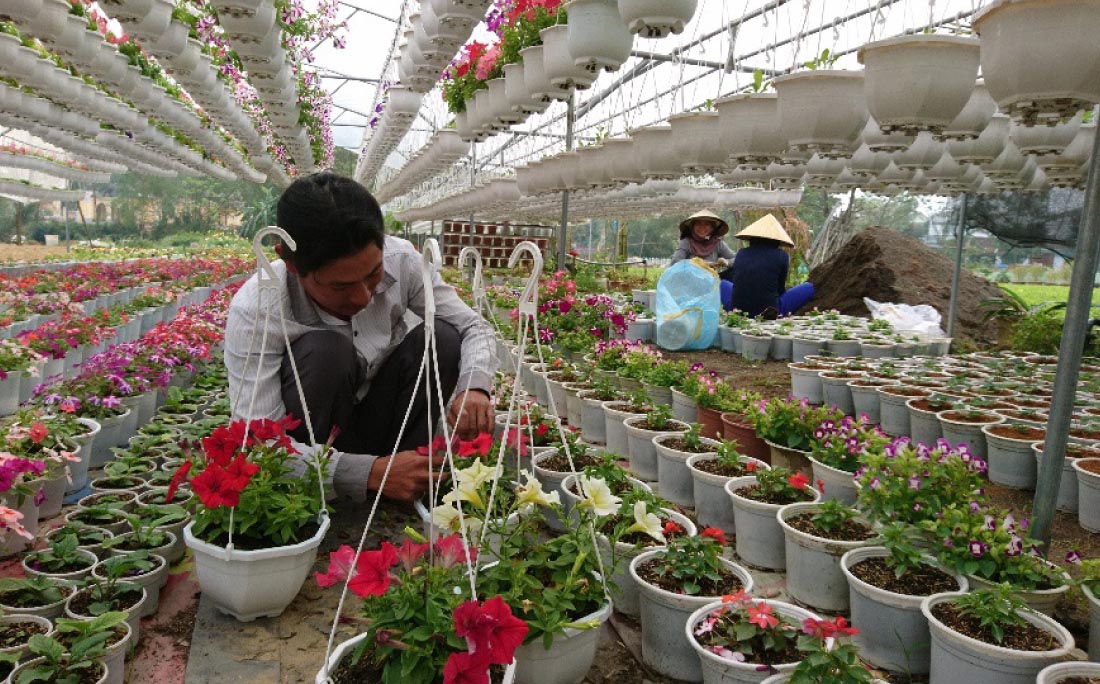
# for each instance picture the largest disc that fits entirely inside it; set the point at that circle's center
(246, 297)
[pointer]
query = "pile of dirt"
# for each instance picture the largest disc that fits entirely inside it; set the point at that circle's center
(888, 266)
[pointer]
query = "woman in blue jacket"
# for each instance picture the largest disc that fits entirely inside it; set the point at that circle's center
(759, 273)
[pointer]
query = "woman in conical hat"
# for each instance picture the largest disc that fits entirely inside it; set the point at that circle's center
(759, 272)
(701, 237)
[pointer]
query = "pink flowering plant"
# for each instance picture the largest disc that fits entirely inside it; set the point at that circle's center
(792, 422)
(611, 354)
(18, 357)
(417, 614)
(842, 444)
(975, 539)
(749, 631)
(913, 482)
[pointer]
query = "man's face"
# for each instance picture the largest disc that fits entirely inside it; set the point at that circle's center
(345, 286)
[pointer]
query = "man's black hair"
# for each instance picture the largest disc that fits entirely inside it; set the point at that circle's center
(330, 217)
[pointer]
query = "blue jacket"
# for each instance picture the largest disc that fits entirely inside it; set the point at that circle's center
(759, 277)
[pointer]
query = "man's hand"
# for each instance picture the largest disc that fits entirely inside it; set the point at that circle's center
(476, 414)
(408, 479)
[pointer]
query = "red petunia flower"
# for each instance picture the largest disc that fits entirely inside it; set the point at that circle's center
(178, 478)
(410, 552)
(372, 571)
(760, 614)
(216, 488)
(241, 471)
(451, 550)
(490, 629)
(340, 563)
(223, 442)
(463, 668)
(798, 481)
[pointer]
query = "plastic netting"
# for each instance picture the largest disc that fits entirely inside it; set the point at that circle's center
(1030, 219)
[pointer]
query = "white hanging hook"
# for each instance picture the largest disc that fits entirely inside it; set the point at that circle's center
(266, 273)
(432, 259)
(529, 298)
(465, 255)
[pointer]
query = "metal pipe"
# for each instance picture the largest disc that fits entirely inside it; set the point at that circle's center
(563, 234)
(960, 239)
(1074, 332)
(692, 61)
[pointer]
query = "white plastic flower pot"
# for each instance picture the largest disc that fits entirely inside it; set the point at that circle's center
(252, 584)
(893, 632)
(342, 650)
(693, 138)
(1094, 622)
(719, 670)
(1088, 495)
(673, 475)
(805, 382)
(665, 644)
(568, 659)
(838, 484)
(814, 577)
(959, 658)
(561, 71)
(759, 535)
(643, 450)
(1061, 672)
(713, 507)
(535, 79)
(918, 82)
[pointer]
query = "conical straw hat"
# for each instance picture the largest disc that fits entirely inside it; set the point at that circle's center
(767, 227)
(723, 227)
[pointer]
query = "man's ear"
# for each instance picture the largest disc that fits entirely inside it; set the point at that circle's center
(281, 250)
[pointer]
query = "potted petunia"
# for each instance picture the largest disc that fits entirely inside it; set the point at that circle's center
(418, 617)
(788, 426)
(836, 453)
(258, 524)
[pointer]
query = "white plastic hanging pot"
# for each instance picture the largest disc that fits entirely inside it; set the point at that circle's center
(598, 36)
(515, 88)
(657, 18)
(655, 153)
(918, 82)
(623, 168)
(1039, 57)
(252, 584)
(1042, 141)
(822, 111)
(974, 117)
(922, 154)
(1008, 164)
(534, 74)
(750, 130)
(985, 148)
(562, 73)
(693, 138)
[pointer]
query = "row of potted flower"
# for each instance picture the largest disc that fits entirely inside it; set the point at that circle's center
(811, 582)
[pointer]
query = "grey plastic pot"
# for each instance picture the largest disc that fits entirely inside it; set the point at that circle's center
(673, 476)
(614, 430)
(959, 432)
(626, 600)
(719, 670)
(814, 577)
(1059, 672)
(568, 659)
(924, 425)
(782, 347)
(756, 347)
(801, 347)
(959, 658)
(574, 406)
(1040, 600)
(551, 481)
(893, 632)
(1088, 496)
(713, 507)
(1011, 461)
(1094, 622)
(642, 450)
(865, 398)
(893, 412)
(665, 646)
(1067, 486)
(835, 390)
(683, 406)
(837, 484)
(593, 428)
(759, 536)
(806, 382)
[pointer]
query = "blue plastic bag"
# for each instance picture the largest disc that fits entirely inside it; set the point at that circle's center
(689, 304)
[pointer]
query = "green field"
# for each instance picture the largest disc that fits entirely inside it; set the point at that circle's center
(1040, 294)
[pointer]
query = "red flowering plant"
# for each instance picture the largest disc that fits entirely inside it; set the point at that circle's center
(41, 440)
(250, 478)
(418, 616)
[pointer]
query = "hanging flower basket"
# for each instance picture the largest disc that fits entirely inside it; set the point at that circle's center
(598, 36)
(918, 82)
(1038, 57)
(657, 18)
(822, 111)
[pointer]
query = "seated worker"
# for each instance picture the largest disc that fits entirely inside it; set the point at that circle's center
(759, 273)
(344, 293)
(701, 238)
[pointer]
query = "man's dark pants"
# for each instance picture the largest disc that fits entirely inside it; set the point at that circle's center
(330, 374)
